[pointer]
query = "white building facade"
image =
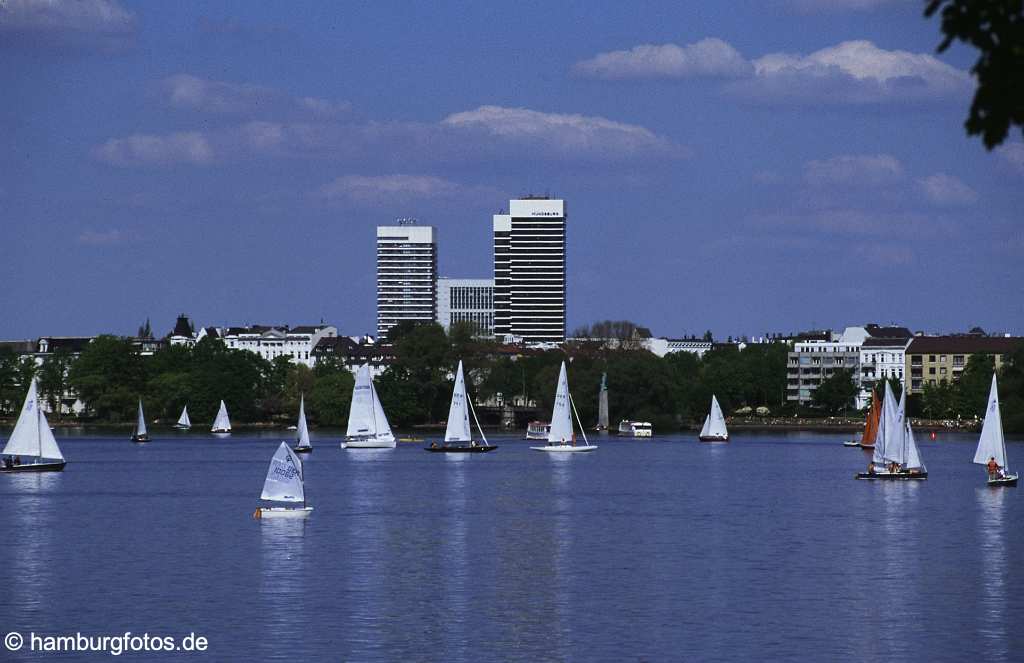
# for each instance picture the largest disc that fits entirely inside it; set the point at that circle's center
(529, 270)
(811, 362)
(406, 275)
(296, 343)
(466, 300)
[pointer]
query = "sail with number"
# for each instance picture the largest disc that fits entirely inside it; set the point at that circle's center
(992, 444)
(140, 423)
(284, 477)
(303, 428)
(458, 429)
(561, 415)
(714, 423)
(32, 435)
(183, 420)
(602, 404)
(222, 424)
(366, 418)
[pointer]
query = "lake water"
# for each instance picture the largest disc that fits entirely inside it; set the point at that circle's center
(764, 548)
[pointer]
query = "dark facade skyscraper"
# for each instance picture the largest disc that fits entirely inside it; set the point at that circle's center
(406, 275)
(529, 270)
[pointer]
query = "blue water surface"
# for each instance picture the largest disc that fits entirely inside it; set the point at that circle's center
(764, 548)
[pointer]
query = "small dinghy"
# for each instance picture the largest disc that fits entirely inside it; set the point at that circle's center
(561, 437)
(284, 484)
(32, 439)
(896, 456)
(991, 450)
(302, 443)
(368, 426)
(184, 423)
(221, 425)
(714, 429)
(458, 436)
(140, 434)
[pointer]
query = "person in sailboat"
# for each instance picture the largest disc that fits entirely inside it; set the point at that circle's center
(994, 471)
(8, 462)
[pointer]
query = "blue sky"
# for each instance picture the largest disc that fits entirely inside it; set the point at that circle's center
(746, 167)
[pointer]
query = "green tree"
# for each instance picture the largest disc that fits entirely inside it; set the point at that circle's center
(9, 385)
(53, 379)
(836, 393)
(109, 377)
(329, 395)
(996, 29)
(972, 388)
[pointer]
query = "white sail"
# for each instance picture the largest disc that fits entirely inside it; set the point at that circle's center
(561, 415)
(140, 425)
(302, 427)
(384, 433)
(183, 420)
(714, 425)
(885, 422)
(458, 414)
(602, 403)
(896, 434)
(222, 423)
(284, 477)
(913, 455)
(366, 418)
(992, 444)
(32, 435)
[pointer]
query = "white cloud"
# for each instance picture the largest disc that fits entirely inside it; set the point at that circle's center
(708, 58)
(1013, 155)
(370, 188)
(144, 150)
(943, 189)
(101, 238)
(853, 72)
(559, 134)
(811, 6)
(209, 96)
(854, 170)
(79, 24)
(488, 132)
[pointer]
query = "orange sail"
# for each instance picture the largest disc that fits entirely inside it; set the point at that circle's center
(871, 425)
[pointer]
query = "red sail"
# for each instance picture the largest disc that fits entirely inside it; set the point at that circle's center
(871, 425)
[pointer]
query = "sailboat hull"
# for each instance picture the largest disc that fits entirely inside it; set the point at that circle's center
(713, 438)
(368, 444)
(851, 443)
(182, 427)
(221, 432)
(35, 467)
(479, 448)
(303, 450)
(1008, 480)
(140, 439)
(892, 476)
(282, 512)
(564, 448)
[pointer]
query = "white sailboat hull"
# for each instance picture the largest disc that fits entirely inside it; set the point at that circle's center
(221, 431)
(564, 448)
(368, 444)
(283, 512)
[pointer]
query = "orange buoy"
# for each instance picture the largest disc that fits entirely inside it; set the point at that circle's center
(933, 436)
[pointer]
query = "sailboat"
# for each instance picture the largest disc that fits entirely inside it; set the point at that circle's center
(714, 429)
(32, 438)
(992, 444)
(561, 437)
(602, 405)
(184, 423)
(284, 484)
(867, 440)
(221, 424)
(302, 444)
(367, 424)
(140, 434)
(458, 430)
(896, 456)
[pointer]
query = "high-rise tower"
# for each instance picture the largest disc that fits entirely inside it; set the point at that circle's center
(529, 270)
(406, 274)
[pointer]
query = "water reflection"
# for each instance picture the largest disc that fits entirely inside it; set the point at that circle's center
(33, 564)
(991, 509)
(455, 565)
(898, 567)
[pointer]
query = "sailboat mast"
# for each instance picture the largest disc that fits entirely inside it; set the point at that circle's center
(39, 429)
(478, 426)
(582, 430)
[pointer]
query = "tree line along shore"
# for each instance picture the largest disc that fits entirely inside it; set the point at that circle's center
(673, 392)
